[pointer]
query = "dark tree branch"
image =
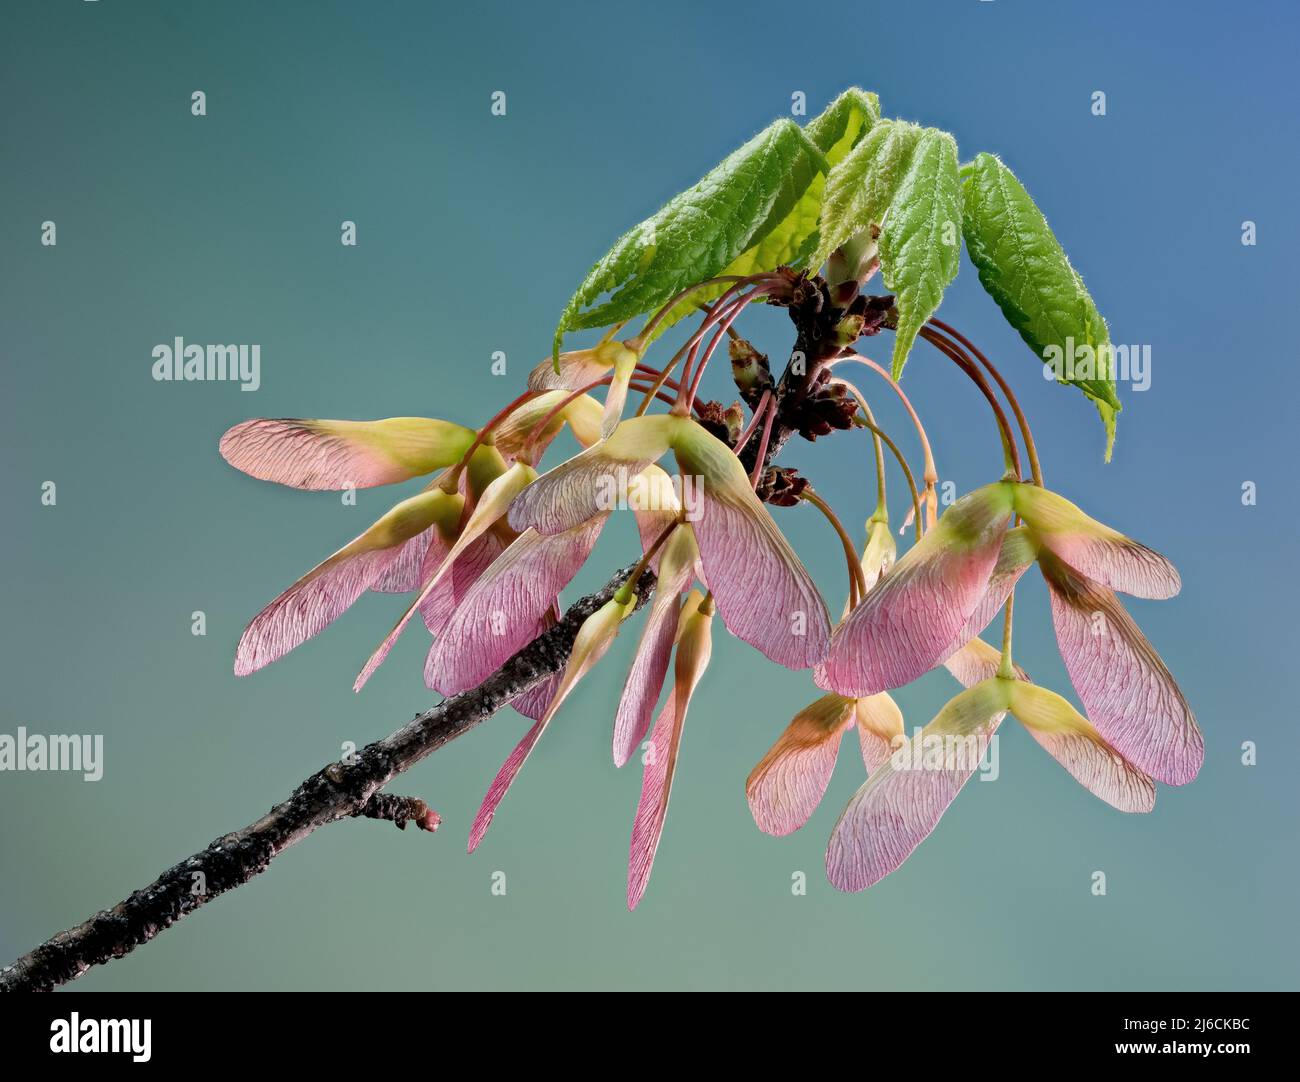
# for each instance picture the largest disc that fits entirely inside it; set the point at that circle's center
(826, 320)
(399, 810)
(338, 791)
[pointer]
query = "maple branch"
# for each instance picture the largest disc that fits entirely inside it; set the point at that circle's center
(337, 791)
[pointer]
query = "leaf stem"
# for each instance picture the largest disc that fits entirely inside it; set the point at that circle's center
(907, 470)
(1005, 668)
(729, 318)
(857, 578)
(882, 508)
(624, 593)
(1031, 449)
(954, 352)
(661, 377)
(711, 314)
(930, 474)
(760, 460)
(653, 323)
(541, 425)
(753, 422)
(490, 427)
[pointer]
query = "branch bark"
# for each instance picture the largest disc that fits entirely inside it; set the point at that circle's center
(337, 791)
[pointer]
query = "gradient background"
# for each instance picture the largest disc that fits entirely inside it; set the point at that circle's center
(473, 231)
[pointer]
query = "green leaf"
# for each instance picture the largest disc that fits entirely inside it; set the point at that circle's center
(859, 189)
(920, 245)
(1024, 268)
(837, 130)
(752, 205)
(843, 123)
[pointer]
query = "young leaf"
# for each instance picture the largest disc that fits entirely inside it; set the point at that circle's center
(1023, 267)
(836, 131)
(756, 193)
(860, 188)
(920, 245)
(843, 123)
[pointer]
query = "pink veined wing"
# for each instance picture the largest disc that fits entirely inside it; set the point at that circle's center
(693, 650)
(763, 592)
(403, 574)
(486, 520)
(520, 430)
(505, 778)
(918, 612)
(645, 681)
(1094, 550)
(592, 481)
(499, 613)
(1015, 557)
(452, 589)
(654, 503)
(437, 606)
(880, 729)
(901, 803)
(652, 809)
(650, 665)
(1127, 692)
(572, 492)
(532, 704)
(308, 607)
(593, 641)
(1061, 732)
(328, 454)
(1068, 738)
(789, 782)
(578, 368)
(1100, 769)
(318, 598)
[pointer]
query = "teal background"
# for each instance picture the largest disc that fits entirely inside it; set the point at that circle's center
(473, 231)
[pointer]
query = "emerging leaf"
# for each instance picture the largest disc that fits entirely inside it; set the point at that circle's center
(1023, 267)
(843, 123)
(860, 188)
(755, 194)
(920, 246)
(836, 131)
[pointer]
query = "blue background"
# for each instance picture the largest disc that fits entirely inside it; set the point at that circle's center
(473, 231)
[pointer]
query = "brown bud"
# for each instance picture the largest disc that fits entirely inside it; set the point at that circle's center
(849, 329)
(712, 417)
(781, 486)
(750, 370)
(876, 312)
